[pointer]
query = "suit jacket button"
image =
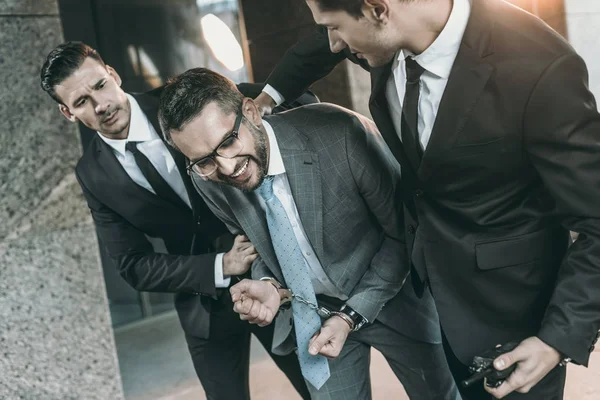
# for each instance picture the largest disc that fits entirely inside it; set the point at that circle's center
(411, 229)
(418, 193)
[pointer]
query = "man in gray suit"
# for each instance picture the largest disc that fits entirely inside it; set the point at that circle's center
(317, 192)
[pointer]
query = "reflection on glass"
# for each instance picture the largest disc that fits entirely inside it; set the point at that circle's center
(222, 42)
(143, 66)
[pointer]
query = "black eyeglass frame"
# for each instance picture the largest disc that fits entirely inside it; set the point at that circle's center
(235, 132)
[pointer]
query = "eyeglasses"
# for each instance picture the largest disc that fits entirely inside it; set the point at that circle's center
(230, 147)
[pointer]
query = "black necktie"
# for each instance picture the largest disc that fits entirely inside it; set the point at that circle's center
(410, 106)
(160, 186)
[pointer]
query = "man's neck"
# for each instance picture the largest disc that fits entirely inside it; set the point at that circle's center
(428, 19)
(124, 134)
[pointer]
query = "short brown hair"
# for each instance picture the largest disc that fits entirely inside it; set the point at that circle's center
(185, 96)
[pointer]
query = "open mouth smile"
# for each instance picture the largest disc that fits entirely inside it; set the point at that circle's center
(240, 171)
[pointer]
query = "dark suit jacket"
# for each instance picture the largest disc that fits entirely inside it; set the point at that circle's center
(345, 185)
(512, 165)
(124, 213)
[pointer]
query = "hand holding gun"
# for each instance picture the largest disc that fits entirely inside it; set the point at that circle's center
(483, 367)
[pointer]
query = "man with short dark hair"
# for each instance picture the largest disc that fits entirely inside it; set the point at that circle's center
(315, 189)
(140, 197)
(487, 110)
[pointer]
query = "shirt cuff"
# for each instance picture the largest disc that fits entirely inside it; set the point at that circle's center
(275, 95)
(220, 280)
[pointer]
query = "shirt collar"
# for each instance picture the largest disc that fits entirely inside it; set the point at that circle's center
(276, 166)
(439, 57)
(140, 129)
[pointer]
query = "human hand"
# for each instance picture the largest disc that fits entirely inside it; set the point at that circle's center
(239, 259)
(535, 359)
(264, 103)
(330, 339)
(256, 301)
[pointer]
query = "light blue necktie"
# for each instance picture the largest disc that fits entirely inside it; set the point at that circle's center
(315, 369)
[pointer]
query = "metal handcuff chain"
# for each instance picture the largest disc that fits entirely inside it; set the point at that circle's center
(321, 311)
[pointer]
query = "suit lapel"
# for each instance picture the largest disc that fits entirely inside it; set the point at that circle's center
(468, 78)
(466, 82)
(149, 105)
(380, 110)
(116, 174)
(302, 171)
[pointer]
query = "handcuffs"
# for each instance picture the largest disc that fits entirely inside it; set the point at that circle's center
(354, 320)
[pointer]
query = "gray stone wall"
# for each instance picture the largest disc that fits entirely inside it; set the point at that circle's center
(56, 340)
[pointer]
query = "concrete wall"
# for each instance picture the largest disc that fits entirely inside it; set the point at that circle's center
(56, 341)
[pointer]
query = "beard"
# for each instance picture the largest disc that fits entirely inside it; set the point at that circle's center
(379, 60)
(261, 161)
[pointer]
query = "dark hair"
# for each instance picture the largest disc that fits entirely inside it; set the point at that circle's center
(62, 62)
(186, 95)
(352, 7)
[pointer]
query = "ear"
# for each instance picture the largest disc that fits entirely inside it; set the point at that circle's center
(67, 113)
(251, 111)
(377, 10)
(114, 74)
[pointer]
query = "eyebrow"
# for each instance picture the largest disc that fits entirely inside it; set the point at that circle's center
(95, 87)
(193, 160)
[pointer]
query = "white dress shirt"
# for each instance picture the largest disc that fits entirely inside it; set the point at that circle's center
(436, 60)
(281, 189)
(152, 146)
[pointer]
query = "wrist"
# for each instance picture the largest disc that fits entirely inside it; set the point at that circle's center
(348, 323)
(357, 319)
(266, 101)
(285, 298)
(226, 262)
(285, 295)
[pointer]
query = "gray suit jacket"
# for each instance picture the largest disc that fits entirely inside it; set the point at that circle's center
(345, 183)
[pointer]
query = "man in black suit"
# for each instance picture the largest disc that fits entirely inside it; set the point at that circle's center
(139, 195)
(487, 110)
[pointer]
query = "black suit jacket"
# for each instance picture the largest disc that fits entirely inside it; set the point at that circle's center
(124, 213)
(512, 165)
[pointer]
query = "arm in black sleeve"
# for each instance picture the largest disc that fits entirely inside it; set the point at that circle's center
(562, 135)
(305, 63)
(137, 262)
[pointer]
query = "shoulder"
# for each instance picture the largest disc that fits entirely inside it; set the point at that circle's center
(321, 120)
(88, 161)
(212, 190)
(148, 101)
(522, 34)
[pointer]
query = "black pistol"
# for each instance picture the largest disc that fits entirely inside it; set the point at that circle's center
(483, 367)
